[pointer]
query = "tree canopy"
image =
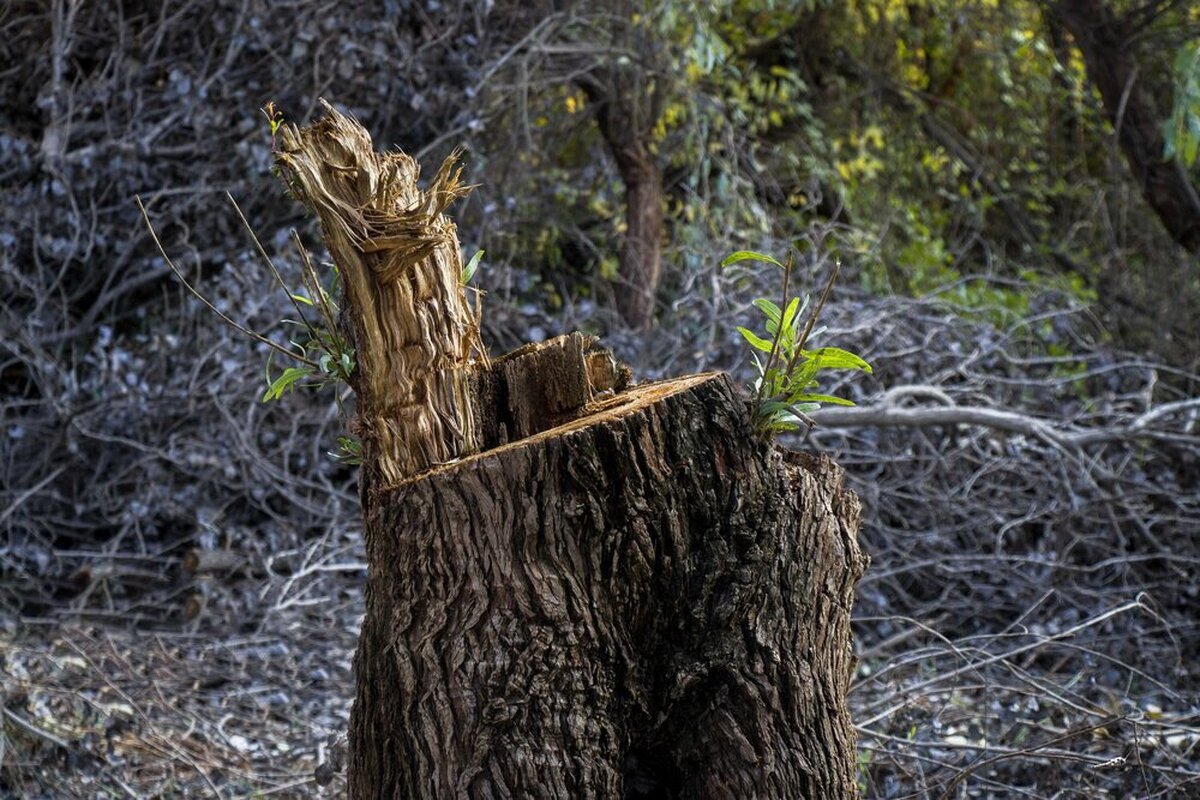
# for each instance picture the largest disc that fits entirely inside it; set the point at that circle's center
(1053, 141)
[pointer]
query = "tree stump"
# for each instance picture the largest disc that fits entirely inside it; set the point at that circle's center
(603, 590)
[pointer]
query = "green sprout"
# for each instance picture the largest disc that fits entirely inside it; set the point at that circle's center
(274, 118)
(785, 392)
(325, 356)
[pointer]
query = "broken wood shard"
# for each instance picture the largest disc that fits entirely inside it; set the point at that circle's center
(539, 386)
(398, 254)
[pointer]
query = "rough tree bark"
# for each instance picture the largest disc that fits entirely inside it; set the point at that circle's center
(603, 591)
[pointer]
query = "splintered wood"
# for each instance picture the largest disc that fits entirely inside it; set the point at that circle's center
(399, 256)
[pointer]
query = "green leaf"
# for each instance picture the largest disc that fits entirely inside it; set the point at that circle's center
(837, 358)
(749, 255)
(287, 380)
(771, 383)
(824, 398)
(755, 340)
(468, 271)
(349, 450)
(789, 316)
(767, 307)
(801, 378)
(772, 408)
(299, 298)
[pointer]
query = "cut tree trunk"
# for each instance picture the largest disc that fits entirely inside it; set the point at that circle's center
(613, 592)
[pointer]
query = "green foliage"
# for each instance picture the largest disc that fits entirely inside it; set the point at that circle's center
(324, 356)
(349, 450)
(956, 146)
(321, 343)
(708, 99)
(285, 382)
(785, 391)
(468, 271)
(1181, 132)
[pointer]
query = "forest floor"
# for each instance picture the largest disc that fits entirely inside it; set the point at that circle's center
(99, 711)
(109, 713)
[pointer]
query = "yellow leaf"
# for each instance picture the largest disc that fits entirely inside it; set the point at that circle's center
(874, 134)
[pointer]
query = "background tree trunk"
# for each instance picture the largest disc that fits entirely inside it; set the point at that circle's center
(626, 113)
(1148, 302)
(603, 591)
(1106, 43)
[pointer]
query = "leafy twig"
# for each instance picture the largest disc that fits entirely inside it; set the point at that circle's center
(784, 392)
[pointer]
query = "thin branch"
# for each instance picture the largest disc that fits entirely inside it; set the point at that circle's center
(771, 357)
(224, 318)
(30, 492)
(270, 264)
(942, 677)
(816, 313)
(34, 730)
(890, 414)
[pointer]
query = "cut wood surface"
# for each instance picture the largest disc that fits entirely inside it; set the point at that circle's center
(577, 587)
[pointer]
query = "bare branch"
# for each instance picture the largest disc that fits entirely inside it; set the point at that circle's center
(224, 317)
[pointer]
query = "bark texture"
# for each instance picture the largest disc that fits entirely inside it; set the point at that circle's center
(641, 602)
